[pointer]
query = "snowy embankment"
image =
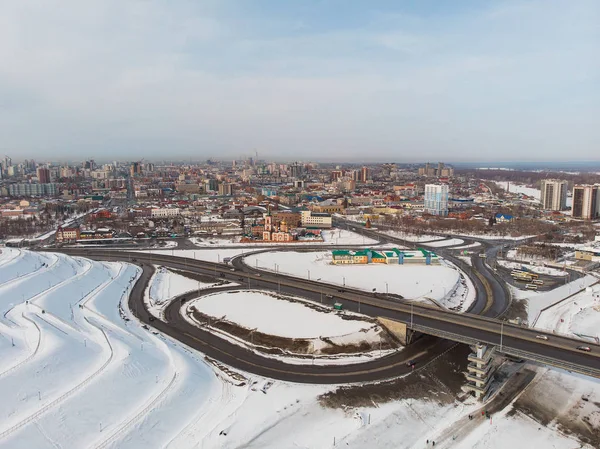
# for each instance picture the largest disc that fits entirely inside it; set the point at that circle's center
(539, 301)
(444, 243)
(468, 246)
(413, 237)
(166, 285)
(78, 374)
(301, 327)
(578, 315)
(411, 281)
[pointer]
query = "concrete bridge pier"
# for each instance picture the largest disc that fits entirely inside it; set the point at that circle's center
(480, 369)
(399, 330)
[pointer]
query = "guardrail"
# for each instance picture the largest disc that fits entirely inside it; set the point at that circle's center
(510, 351)
(594, 372)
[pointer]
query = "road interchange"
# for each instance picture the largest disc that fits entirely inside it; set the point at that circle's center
(467, 328)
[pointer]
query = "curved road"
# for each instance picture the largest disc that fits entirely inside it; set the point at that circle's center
(492, 298)
(462, 327)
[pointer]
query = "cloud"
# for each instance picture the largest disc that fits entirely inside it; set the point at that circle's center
(206, 79)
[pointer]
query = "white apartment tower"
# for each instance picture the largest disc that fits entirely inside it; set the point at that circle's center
(436, 199)
(554, 194)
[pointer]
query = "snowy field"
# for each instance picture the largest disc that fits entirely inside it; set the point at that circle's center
(412, 281)
(256, 310)
(443, 243)
(519, 188)
(165, 285)
(344, 237)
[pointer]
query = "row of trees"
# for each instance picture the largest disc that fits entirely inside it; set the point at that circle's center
(516, 228)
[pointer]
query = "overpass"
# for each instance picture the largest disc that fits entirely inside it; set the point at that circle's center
(468, 328)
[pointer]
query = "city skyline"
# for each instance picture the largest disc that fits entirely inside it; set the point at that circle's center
(318, 80)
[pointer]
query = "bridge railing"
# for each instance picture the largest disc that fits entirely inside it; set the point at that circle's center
(594, 372)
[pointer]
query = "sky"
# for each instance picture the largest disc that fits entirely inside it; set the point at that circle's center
(306, 80)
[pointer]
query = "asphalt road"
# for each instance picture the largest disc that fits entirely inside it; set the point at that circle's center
(471, 326)
(492, 298)
(240, 358)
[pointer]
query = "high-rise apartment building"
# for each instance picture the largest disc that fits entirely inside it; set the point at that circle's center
(436, 199)
(225, 189)
(43, 175)
(364, 174)
(585, 202)
(554, 194)
(296, 170)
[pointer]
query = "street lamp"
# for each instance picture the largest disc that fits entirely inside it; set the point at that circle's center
(501, 333)
(344, 281)
(308, 274)
(411, 316)
(386, 288)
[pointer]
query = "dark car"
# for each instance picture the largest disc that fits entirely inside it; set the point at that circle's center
(584, 348)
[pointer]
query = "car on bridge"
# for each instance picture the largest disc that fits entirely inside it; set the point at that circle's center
(584, 348)
(542, 337)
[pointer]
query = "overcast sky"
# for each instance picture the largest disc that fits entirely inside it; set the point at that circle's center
(329, 80)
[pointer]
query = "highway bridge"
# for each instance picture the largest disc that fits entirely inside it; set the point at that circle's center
(466, 328)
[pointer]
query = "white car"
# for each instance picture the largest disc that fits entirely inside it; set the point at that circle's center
(541, 337)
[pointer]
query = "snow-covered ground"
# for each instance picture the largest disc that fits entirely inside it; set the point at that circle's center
(577, 316)
(344, 237)
(330, 237)
(216, 241)
(506, 431)
(470, 245)
(443, 243)
(534, 268)
(165, 285)
(537, 301)
(256, 310)
(413, 237)
(79, 375)
(491, 236)
(519, 188)
(209, 255)
(412, 281)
